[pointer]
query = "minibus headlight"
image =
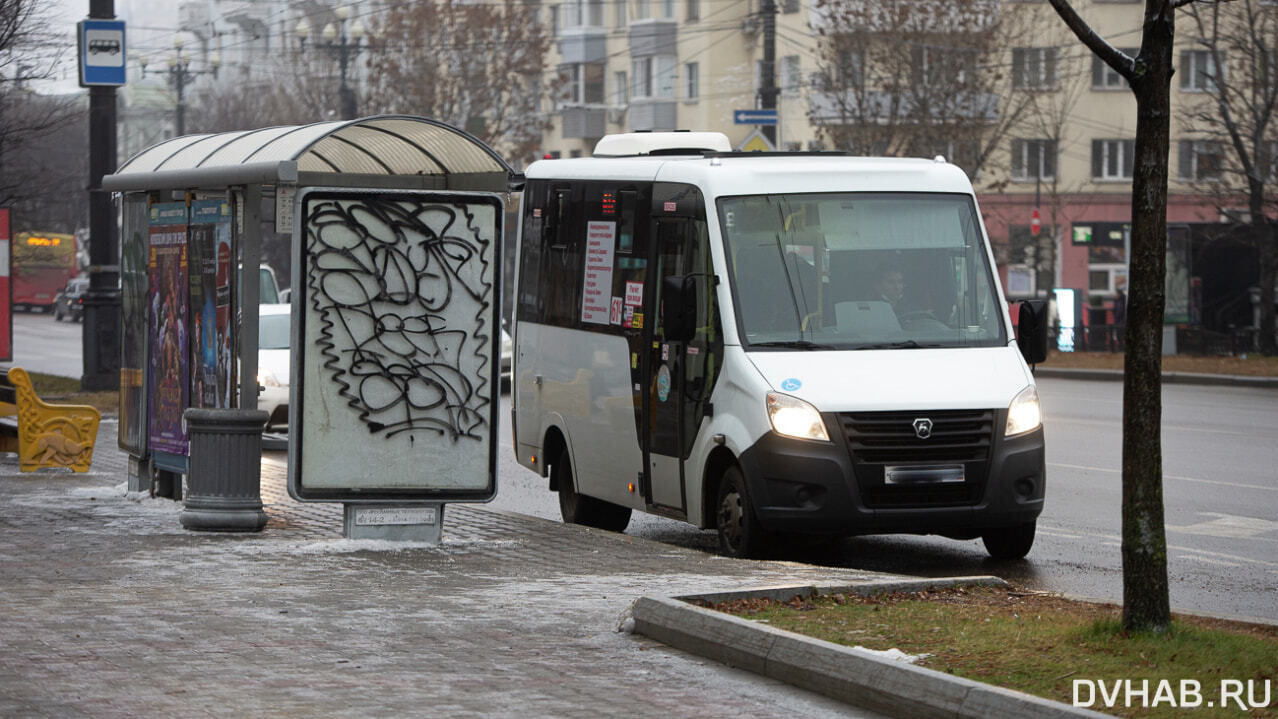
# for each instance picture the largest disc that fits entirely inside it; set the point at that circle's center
(792, 417)
(1024, 415)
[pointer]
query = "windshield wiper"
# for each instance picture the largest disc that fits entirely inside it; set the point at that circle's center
(793, 344)
(905, 345)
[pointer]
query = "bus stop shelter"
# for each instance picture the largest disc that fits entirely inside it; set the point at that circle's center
(194, 210)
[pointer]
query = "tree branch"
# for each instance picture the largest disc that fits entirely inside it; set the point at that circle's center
(1122, 63)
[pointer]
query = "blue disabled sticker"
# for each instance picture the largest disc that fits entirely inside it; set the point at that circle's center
(791, 385)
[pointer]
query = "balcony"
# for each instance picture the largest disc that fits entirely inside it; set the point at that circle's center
(583, 45)
(652, 37)
(650, 114)
(583, 121)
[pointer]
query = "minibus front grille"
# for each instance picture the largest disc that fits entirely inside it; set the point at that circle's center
(957, 437)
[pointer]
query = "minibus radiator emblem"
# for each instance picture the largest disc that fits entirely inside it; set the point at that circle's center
(923, 428)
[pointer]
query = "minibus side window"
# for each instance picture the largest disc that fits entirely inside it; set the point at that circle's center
(564, 257)
(529, 307)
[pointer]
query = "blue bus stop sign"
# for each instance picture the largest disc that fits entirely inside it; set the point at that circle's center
(102, 52)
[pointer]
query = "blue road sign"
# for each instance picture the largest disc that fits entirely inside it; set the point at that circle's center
(102, 52)
(754, 117)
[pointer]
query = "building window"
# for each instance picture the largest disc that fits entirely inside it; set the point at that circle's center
(1112, 159)
(848, 73)
(668, 9)
(554, 21)
(692, 80)
(1267, 161)
(585, 84)
(790, 74)
(572, 14)
(1034, 68)
(1198, 70)
(621, 13)
(1201, 160)
(654, 77)
(594, 13)
(620, 90)
(1105, 77)
(789, 6)
(935, 67)
(694, 9)
(1033, 159)
(641, 9)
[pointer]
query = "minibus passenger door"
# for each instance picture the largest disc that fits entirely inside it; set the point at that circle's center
(664, 396)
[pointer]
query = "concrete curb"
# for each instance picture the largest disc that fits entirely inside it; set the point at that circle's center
(847, 674)
(1116, 375)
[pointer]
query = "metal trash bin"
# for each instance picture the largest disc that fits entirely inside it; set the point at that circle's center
(224, 479)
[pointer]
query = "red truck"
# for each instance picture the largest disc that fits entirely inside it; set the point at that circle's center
(42, 264)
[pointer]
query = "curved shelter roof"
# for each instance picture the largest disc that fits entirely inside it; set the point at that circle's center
(379, 151)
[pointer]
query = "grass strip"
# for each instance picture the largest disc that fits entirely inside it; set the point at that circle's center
(1050, 646)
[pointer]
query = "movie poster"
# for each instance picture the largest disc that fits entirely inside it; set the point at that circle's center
(168, 295)
(134, 329)
(208, 329)
(227, 371)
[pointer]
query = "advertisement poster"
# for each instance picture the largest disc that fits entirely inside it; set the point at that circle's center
(168, 383)
(596, 295)
(134, 333)
(227, 371)
(208, 330)
(6, 292)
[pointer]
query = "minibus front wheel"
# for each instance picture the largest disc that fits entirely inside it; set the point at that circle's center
(580, 509)
(1009, 542)
(740, 535)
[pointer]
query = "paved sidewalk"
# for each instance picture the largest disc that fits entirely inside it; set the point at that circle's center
(111, 609)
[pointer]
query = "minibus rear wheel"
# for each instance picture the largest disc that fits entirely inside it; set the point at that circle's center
(739, 532)
(1009, 542)
(580, 509)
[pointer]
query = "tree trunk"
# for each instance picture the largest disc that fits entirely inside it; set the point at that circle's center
(1145, 594)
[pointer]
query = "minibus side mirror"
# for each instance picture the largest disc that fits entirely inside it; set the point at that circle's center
(1031, 331)
(679, 308)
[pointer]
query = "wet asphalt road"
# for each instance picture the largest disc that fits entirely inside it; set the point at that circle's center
(1220, 467)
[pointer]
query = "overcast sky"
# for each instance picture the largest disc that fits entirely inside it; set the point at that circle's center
(147, 20)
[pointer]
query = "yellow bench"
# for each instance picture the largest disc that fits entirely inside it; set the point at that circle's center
(43, 434)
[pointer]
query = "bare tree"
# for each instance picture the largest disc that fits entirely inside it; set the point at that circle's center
(915, 77)
(1239, 43)
(25, 116)
(1146, 604)
(1049, 115)
(298, 90)
(47, 170)
(476, 66)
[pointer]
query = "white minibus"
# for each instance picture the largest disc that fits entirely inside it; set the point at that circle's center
(772, 343)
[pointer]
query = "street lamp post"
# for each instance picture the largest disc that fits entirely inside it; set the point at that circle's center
(180, 75)
(344, 46)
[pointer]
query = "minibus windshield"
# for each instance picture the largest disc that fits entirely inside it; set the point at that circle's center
(851, 271)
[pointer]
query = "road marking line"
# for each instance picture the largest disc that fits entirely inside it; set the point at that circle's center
(1229, 526)
(1050, 420)
(1112, 540)
(1197, 558)
(1166, 476)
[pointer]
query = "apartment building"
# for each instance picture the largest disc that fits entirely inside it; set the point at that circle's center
(1048, 132)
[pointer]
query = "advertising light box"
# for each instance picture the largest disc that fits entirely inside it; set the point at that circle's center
(396, 339)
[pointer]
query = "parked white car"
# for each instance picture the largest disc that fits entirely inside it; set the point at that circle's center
(273, 334)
